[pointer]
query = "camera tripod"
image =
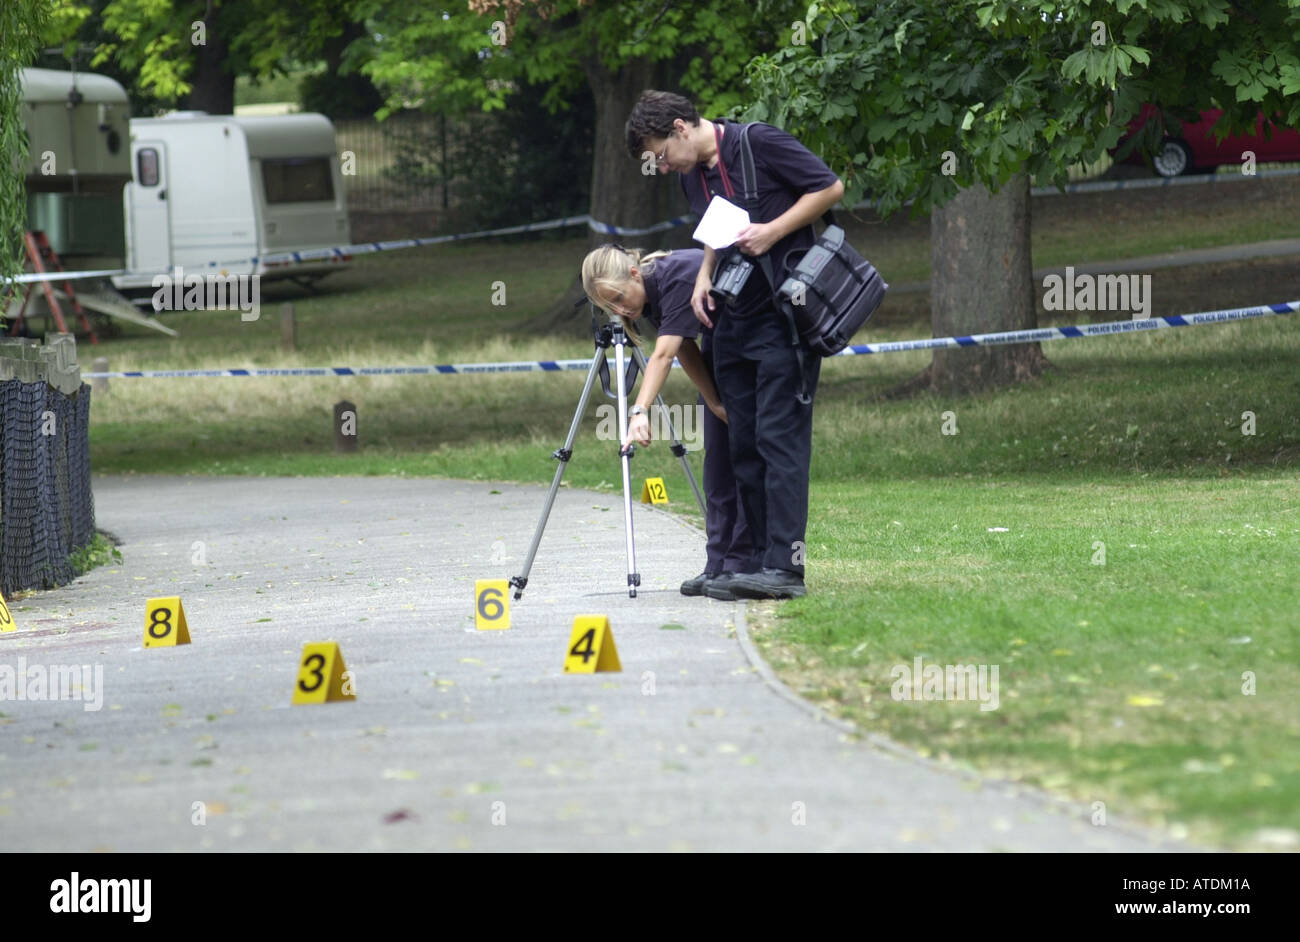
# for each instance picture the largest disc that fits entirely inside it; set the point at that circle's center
(606, 336)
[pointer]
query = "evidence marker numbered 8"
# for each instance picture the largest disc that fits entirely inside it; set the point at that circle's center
(164, 623)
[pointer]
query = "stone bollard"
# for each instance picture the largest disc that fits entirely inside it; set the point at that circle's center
(288, 327)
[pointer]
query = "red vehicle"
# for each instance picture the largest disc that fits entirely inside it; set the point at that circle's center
(1194, 149)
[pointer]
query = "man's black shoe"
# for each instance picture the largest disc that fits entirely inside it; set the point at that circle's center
(768, 584)
(696, 586)
(719, 587)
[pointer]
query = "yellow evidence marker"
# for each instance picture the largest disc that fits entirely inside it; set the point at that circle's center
(322, 675)
(6, 619)
(654, 492)
(164, 623)
(491, 605)
(591, 646)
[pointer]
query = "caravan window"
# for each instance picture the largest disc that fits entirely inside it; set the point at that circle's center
(297, 179)
(146, 166)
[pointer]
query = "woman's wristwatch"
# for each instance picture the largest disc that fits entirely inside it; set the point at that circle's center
(635, 411)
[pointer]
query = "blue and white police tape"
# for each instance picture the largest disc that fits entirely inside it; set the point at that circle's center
(1081, 330)
(62, 276)
(555, 366)
(522, 366)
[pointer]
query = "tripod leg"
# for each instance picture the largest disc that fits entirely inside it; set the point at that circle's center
(678, 448)
(633, 577)
(562, 455)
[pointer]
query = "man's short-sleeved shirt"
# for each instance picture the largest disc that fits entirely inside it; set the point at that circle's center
(785, 170)
(668, 290)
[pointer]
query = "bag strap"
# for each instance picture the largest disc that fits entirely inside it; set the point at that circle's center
(750, 184)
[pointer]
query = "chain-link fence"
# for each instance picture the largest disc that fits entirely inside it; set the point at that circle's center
(417, 174)
(47, 510)
(396, 165)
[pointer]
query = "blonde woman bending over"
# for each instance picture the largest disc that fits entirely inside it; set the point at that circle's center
(658, 287)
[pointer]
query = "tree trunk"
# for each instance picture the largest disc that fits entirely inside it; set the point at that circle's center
(335, 93)
(981, 281)
(620, 193)
(214, 87)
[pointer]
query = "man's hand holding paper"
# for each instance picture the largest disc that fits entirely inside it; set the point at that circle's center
(721, 224)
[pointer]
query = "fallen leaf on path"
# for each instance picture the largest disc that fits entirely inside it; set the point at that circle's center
(1144, 700)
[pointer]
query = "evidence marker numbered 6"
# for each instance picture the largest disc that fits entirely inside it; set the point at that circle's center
(6, 619)
(322, 675)
(591, 646)
(164, 623)
(654, 492)
(491, 604)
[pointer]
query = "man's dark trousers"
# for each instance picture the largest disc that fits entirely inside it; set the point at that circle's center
(729, 547)
(770, 431)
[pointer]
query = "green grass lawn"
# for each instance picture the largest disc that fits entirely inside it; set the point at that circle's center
(1120, 680)
(1125, 618)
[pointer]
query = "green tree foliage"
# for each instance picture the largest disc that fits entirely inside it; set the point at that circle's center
(157, 40)
(23, 25)
(448, 55)
(437, 58)
(885, 89)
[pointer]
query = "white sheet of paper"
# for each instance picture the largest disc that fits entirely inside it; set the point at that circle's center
(722, 222)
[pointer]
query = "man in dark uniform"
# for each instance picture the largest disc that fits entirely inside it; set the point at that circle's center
(755, 364)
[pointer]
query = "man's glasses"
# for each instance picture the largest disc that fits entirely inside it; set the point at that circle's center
(660, 157)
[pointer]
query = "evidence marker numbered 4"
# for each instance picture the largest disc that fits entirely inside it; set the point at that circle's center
(591, 646)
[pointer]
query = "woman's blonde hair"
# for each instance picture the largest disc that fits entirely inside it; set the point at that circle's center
(609, 267)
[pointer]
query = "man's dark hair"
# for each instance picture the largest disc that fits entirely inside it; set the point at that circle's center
(653, 116)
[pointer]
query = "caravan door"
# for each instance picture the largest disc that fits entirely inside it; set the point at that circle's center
(148, 209)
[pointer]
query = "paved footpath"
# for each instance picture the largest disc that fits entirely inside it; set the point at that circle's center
(459, 739)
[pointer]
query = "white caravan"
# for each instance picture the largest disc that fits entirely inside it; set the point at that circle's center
(210, 193)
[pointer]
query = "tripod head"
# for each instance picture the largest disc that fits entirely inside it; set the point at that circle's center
(607, 334)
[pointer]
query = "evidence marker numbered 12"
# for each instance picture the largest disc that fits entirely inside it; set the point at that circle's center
(491, 604)
(164, 623)
(6, 618)
(591, 646)
(654, 492)
(322, 675)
